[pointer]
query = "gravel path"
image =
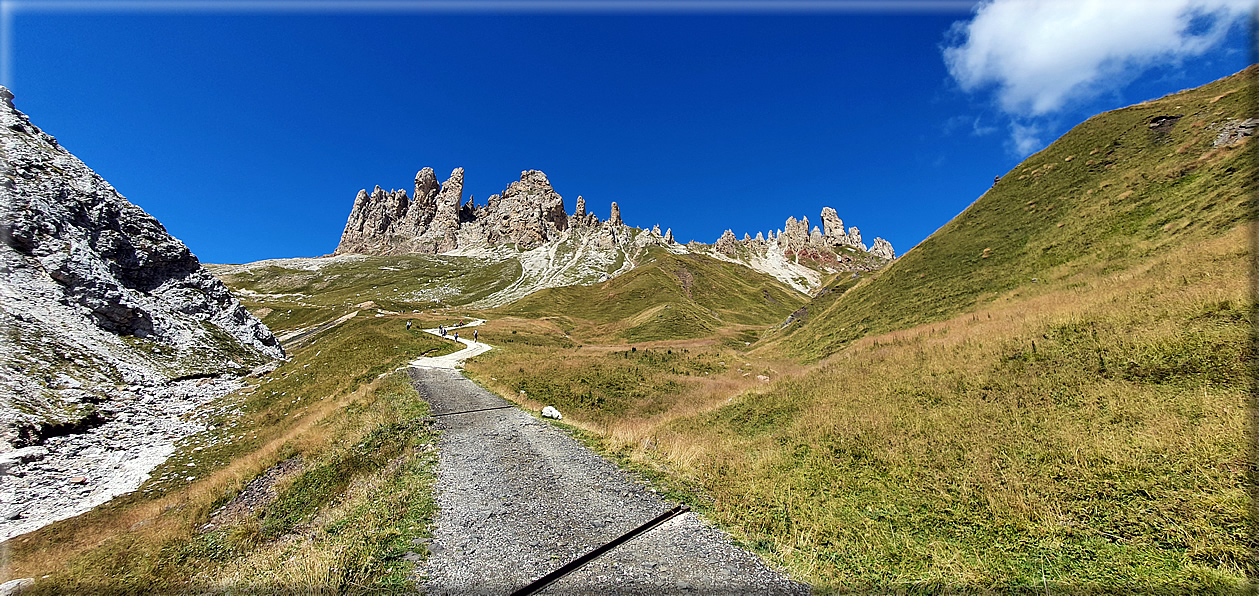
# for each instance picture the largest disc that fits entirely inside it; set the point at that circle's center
(519, 498)
(454, 359)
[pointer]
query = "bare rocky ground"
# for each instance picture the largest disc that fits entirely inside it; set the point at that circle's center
(73, 473)
(520, 498)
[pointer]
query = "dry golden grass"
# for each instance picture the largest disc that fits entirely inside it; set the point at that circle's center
(316, 558)
(152, 543)
(968, 435)
(1085, 432)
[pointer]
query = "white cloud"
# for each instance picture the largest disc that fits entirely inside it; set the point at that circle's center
(1042, 54)
(1025, 138)
(979, 129)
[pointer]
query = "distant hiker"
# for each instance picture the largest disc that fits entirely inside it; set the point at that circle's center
(442, 329)
(456, 336)
(995, 180)
(474, 336)
(408, 325)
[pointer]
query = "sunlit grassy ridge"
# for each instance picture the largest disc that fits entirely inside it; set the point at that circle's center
(1095, 435)
(1087, 439)
(666, 297)
(1111, 193)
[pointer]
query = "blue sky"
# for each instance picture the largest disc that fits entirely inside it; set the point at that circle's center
(248, 131)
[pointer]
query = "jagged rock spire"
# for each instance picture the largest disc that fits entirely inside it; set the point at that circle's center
(727, 244)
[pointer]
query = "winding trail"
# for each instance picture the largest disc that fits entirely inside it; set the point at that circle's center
(520, 498)
(452, 360)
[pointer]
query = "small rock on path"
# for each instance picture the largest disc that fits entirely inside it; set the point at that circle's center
(520, 498)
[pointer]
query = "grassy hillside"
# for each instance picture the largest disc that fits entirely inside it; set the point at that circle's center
(975, 429)
(666, 297)
(1115, 191)
(339, 440)
(1090, 439)
(292, 294)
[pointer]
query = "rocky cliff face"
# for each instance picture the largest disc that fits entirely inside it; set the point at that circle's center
(527, 214)
(99, 304)
(796, 254)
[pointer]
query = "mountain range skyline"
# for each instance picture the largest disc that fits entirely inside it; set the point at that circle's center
(249, 130)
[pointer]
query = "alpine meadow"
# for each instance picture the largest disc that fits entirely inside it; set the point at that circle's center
(1051, 393)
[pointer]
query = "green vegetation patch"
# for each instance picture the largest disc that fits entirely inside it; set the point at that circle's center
(1098, 451)
(666, 297)
(599, 390)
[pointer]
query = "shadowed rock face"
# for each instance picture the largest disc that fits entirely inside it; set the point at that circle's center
(528, 213)
(84, 269)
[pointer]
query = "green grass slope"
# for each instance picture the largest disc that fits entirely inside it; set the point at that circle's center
(1113, 192)
(298, 293)
(666, 297)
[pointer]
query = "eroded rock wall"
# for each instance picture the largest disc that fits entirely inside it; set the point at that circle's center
(96, 296)
(527, 214)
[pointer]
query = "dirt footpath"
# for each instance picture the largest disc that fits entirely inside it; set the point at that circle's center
(519, 498)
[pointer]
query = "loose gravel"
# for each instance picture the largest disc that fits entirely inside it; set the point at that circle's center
(520, 498)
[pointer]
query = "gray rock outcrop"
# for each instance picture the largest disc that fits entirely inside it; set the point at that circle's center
(854, 238)
(832, 225)
(882, 248)
(423, 207)
(727, 244)
(374, 218)
(1234, 131)
(527, 214)
(795, 234)
(446, 218)
(829, 247)
(98, 300)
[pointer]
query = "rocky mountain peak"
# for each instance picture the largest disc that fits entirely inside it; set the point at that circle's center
(727, 244)
(436, 219)
(822, 246)
(882, 248)
(529, 211)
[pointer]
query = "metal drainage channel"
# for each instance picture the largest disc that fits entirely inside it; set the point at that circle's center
(471, 411)
(577, 563)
